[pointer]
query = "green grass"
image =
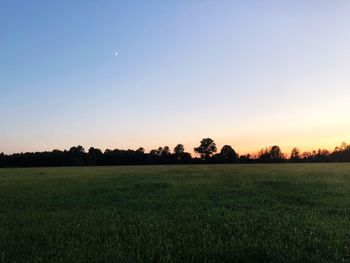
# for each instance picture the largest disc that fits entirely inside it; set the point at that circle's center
(213, 213)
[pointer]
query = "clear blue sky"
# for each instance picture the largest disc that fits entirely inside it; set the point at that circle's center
(246, 73)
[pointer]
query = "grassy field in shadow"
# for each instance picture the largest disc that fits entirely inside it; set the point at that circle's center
(198, 213)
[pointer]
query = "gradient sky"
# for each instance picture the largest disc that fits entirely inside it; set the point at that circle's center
(246, 73)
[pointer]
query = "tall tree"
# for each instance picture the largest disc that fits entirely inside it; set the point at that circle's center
(206, 148)
(165, 151)
(94, 156)
(76, 155)
(295, 154)
(179, 149)
(275, 153)
(228, 154)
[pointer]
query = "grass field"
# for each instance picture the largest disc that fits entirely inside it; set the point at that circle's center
(214, 213)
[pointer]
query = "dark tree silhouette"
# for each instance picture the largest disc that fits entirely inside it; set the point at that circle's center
(295, 154)
(264, 155)
(206, 148)
(140, 150)
(179, 149)
(306, 156)
(76, 156)
(94, 156)
(276, 153)
(272, 154)
(228, 154)
(165, 151)
(341, 153)
(180, 154)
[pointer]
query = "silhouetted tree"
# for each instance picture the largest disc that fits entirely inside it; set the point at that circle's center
(179, 149)
(206, 148)
(322, 155)
(164, 154)
(154, 156)
(165, 151)
(343, 146)
(180, 154)
(228, 154)
(343, 156)
(295, 154)
(94, 156)
(264, 155)
(140, 150)
(306, 156)
(341, 153)
(276, 153)
(273, 154)
(76, 155)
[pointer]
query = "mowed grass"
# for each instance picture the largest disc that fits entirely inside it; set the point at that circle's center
(199, 213)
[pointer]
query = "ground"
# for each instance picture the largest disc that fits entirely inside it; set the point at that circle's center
(195, 213)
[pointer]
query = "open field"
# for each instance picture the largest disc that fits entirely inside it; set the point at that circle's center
(287, 212)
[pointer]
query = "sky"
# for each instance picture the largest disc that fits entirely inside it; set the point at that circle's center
(250, 74)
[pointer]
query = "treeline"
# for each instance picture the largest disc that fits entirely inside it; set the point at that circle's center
(207, 152)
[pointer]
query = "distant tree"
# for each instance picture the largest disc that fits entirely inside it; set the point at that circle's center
(343, 146)
(306, 156)
(322, 155)
(94, 151)
(77, 150)
(275, 153)
(271, 154)
(179, 149)
(94, 156)
(160, 151)
(76, 155)
(206, 148)
(153, 156)
(153, 152)
(322, 152)
(180, 155)
(295, 154)
(341, 153)
(140, 150)
(228, 154)
(165, 151)
(264, 155)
